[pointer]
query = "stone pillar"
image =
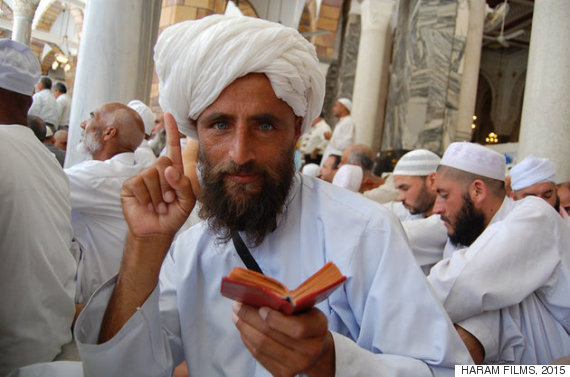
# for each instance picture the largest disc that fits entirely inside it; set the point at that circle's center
(372, 72)
(24, 11)
(114, 63)
(469, 71)
(545, 121)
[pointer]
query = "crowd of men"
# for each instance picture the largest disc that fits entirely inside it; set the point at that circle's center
(99, 244)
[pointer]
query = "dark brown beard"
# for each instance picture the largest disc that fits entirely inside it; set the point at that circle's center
(469, 225)
(229, 207)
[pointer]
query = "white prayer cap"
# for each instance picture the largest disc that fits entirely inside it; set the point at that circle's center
(349, 177)
(532, 170)
(145, 112)
(196, 60)
(346, 103)
(419, 162)
(313, 170)
(475, 159)
(19, 68)
(49, 132)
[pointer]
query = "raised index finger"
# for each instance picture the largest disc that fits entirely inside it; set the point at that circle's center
(173, 149)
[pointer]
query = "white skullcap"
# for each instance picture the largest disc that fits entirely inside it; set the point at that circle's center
(349, 177)
(346, 103)
(19, 67)
(145, 112)
(475, 159)
(49, 132)
(196, 60)
(313, 170)
(419, 162)
(532, 170)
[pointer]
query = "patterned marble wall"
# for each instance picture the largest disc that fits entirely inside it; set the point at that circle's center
(425, 74)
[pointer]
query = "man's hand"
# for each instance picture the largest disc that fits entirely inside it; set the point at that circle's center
(327, 135)
(159, 199)
(287, 345)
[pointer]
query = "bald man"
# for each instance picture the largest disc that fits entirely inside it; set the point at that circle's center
(110, 135)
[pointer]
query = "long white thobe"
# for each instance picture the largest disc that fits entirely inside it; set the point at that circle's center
(511, 286)
(385, 319)
(97, 218)
(427, 238)
(37, 269)
(342, 137)
(45, 107)
(315, 138)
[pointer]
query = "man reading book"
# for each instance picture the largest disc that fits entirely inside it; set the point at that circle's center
(246, 89)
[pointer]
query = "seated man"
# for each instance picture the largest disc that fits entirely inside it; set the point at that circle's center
(507, 281)
(37, 268)
(414, 177)
(247, 119)
(535, 177)
(45, 135)
(362, 155)
(110, 135)
(330, 167)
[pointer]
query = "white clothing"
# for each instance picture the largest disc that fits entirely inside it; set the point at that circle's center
(384, 193)
(53, 369)
(315, 138)
(45, 107)
(64, 103)
(520, 266)
(401, 212)
(144, 155)
(342, 137)
(37, 269)
(427, 238)
(97, 218)
(384, 306)
(565, 216)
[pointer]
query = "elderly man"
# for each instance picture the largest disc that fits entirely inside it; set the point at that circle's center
(414, 177)
(536, 177)
(343, 134)
(362, 155)
(110, 135)
(37, 269)
(45, 106)
(60, 138)
(247, 117)
(144, 153)
(507, 281)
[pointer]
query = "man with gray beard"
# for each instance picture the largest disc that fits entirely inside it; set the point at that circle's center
(110, 135)
(247, 89)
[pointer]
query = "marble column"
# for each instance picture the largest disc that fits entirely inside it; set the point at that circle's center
(372, 72)
(474, 12)
(545, 121)
(24, 11)
(114, 63)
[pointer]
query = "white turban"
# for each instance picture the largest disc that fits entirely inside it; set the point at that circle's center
(346, 103)
(196, 60)
(312, 170)
(419, 162)
(348, 177)
(475, 159)
(145, 112)
(532, 170)
(19, 67)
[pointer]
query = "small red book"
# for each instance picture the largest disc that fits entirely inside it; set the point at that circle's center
(255, 289)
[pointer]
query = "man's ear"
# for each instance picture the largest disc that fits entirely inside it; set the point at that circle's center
(109, 133)
(430, 181)
(298, 126)
(478, 192)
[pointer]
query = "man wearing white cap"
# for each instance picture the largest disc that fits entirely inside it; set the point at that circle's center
(536, 177)
(348, 177)
(144, 154)
(37, 269)
(507, 281)
(110, 134)
(414, 177)
(246, 89)
(343, 134)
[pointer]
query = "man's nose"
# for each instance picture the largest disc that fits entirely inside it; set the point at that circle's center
(401, 197)
(241, 150)
(438, 206)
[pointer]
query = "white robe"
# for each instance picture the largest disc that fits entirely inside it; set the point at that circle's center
(144, 155)
(385, 319)
(315, 138)
(97, 218)
(37, 269)
(64, 106)
(45, 106)
(512, 285)
(427, 239)
(342, 137)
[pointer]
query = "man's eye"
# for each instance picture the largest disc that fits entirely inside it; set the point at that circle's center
(266, 126)
(221, 126)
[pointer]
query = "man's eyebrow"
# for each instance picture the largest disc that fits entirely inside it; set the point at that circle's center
(215, 116)
(265, 117)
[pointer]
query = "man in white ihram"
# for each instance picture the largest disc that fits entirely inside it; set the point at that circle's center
(165, 305)
(414, 177)
(343, 134)
(507, 281)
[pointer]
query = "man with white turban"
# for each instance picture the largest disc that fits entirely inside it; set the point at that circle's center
(414, 178)
(536, 177)
(246, 89)
(507, 281)
(144, 154)
(343, 133)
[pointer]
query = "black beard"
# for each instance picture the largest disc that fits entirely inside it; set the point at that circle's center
(244, 209)
(469, 224)
(425, 204)
(557, 204)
